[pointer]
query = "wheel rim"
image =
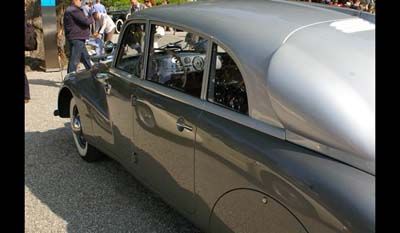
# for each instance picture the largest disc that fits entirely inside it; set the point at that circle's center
(77, 128)
(118, 26)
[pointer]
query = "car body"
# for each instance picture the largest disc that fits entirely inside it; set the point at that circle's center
(254, 116)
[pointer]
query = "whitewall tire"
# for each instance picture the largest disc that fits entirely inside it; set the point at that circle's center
(85, 150)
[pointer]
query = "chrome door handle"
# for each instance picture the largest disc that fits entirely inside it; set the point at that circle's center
(180, 125)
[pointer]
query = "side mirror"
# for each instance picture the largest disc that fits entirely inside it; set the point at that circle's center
(102, 77)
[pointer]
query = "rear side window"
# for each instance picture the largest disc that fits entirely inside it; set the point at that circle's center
(226, 86)
(177, 59)
(130, 57)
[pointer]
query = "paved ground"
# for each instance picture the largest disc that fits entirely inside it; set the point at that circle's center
(65, 194)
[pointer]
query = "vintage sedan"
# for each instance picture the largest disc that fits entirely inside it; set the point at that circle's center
(253, 116)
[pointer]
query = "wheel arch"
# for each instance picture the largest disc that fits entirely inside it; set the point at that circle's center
(64, 99)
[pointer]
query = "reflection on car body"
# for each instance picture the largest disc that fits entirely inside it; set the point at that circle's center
(247, 118)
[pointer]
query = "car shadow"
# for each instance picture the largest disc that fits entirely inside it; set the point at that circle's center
(92, 197)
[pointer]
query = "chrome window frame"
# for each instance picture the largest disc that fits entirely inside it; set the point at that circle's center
(205, 95)
(188, 30)
(122, 73)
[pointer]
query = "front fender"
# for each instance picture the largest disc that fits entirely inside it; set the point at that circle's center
(85, 90)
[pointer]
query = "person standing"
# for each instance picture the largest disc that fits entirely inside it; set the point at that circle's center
(136, 6)
(104, 24)
(87, 7)
(99, 7)
(76, 28)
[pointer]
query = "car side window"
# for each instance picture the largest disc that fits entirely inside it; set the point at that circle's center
(131, 54)
(177, 59)
(226, 86)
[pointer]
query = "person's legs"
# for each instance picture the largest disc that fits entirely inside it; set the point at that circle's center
(78, 54)
(85, 58)
(74, 55)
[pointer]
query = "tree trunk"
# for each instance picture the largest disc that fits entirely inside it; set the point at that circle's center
(34, 60)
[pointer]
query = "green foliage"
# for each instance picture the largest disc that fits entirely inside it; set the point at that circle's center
(120, 4)
(124, 4)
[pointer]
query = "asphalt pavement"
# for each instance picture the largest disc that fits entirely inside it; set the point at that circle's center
(63, 193)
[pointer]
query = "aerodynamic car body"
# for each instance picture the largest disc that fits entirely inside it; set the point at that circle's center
(252, 116)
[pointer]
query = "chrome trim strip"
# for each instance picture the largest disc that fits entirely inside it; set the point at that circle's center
(244, 120)
(121, 74)
(308, 25)
(143, 75)
(206, 77)
(351, 159)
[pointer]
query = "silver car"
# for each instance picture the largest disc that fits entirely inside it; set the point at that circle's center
(252, 116)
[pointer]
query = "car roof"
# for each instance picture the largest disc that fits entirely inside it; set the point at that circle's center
(230, 21)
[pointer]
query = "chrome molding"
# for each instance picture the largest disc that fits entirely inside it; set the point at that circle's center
(346, 157)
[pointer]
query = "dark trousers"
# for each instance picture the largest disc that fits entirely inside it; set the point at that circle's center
(78, 53)
(27, 94)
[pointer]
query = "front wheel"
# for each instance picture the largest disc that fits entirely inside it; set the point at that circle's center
(118, 25)
(85, 150)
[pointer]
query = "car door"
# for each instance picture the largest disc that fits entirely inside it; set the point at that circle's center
(119, 86)
(166, 111)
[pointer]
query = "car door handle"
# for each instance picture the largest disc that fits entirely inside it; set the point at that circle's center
(180, 125)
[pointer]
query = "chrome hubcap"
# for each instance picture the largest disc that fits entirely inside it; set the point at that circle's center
(76, 124)
(77, 128)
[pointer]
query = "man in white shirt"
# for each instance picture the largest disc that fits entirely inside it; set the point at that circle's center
(104, 24)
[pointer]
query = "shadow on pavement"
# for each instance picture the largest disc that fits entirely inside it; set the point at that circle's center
(92, 197)
(34, 63)
(44, 82)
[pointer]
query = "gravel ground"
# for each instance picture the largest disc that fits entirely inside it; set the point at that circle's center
(65, 194)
